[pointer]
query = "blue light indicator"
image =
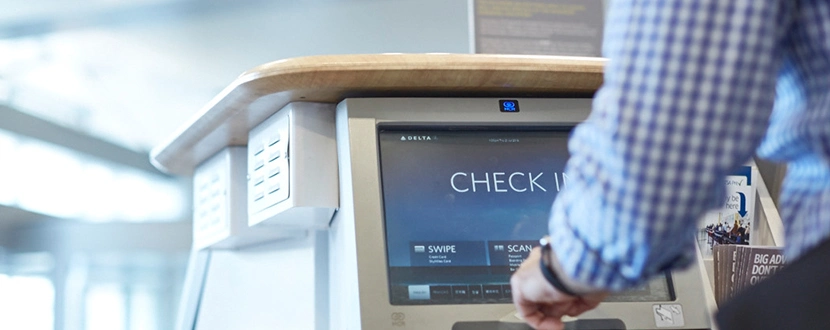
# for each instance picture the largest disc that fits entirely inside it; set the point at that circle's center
(509, 105)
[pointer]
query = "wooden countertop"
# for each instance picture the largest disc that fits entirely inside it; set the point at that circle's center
(258, 93)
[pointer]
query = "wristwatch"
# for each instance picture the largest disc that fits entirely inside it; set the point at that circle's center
(547, 270)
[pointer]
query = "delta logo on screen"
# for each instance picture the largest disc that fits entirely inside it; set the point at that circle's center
(418, 138)
(502, 182)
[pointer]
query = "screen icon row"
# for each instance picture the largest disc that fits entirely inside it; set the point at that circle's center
(459, 292)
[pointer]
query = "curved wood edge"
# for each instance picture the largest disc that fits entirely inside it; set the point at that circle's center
(227, 119)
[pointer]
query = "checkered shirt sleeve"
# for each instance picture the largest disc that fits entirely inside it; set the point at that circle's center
(688, 93)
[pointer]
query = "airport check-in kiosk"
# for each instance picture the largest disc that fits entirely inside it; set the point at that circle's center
(390, 192)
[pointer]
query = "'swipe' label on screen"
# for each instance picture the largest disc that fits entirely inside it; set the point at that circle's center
(459, 253)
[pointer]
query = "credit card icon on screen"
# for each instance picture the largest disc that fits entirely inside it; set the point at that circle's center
(419, 249)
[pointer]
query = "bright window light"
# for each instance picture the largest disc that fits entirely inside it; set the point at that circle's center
(8, 168)
(26, 302)
(105, 308)
(52, 180)
(143, 309)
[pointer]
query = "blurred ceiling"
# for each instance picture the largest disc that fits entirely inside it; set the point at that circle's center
(88, 87)
(14, 217)
(38, 17)
(133, 71)
(102, 66)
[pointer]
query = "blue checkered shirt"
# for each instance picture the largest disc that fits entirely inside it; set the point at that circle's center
(692, 89)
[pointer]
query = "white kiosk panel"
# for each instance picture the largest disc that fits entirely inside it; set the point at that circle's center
(292, 168)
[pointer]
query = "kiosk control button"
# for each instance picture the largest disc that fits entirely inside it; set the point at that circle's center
(475, 291)
(419, 292)
(492, 291)
(506, 290)
(460, 291)
(440, 292)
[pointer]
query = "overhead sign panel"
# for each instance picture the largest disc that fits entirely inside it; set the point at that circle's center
(540, 27)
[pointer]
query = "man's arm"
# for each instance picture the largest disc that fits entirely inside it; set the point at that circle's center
(687, 95)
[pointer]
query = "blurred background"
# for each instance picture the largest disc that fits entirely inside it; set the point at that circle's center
(92, 237)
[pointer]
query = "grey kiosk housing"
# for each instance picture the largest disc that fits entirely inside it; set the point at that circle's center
(437, 200)
(360, 234)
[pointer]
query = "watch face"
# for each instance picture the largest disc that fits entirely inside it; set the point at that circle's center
(545, 242)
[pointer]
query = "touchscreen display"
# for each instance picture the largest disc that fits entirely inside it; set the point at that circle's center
(463, 209)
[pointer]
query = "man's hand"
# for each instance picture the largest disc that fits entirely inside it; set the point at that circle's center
(539, 303)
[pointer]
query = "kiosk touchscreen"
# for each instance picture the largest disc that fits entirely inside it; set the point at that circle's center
(461, 218)
(450, 196)
(463, 207)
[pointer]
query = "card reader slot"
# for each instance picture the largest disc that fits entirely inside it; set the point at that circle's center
(597, 324)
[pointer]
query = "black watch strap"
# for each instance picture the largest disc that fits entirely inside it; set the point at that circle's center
(547, 270)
